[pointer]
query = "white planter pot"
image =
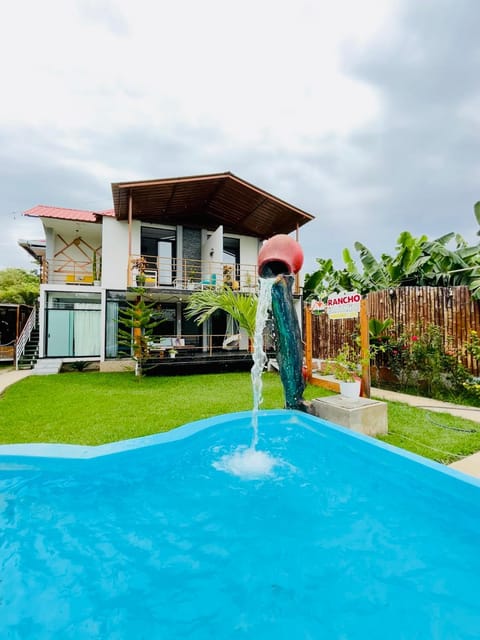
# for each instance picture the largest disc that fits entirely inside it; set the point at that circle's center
(350, 389)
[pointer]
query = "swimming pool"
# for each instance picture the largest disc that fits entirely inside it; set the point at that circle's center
(151, 538)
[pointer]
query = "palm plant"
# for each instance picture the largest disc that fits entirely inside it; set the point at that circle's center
(242, 307)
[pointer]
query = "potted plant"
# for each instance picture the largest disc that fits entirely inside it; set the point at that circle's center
(248, 281)
(139, 266)
(346, 371)
(192, 278)
(96, 270)
(172, 352)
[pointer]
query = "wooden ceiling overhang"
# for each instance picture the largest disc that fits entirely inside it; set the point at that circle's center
(208, 201)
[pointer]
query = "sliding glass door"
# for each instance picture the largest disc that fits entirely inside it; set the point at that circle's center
(73, 325)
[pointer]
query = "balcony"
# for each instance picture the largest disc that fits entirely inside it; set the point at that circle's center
(159, 273)
(67, 271)
(188, 274)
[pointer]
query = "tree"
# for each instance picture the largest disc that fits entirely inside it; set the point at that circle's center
(141, 317)
(418, 262)
(18, 286)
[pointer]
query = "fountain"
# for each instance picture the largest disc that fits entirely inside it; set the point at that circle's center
(280, 258)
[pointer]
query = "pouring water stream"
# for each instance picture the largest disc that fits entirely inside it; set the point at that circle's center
(259, 355)
(250, 462)
(279, 258)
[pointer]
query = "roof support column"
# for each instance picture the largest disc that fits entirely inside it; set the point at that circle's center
(297, 275)
(130, 216)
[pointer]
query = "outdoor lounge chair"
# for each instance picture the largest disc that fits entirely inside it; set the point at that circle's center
(209, 283)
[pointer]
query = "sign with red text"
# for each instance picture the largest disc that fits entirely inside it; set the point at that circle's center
(343, 305)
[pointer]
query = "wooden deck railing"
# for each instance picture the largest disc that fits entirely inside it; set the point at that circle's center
(197, 344)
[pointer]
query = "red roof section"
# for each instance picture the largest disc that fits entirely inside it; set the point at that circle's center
(45, 211)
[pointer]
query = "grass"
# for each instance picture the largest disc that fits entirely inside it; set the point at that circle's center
(440, 436)
(93, 408)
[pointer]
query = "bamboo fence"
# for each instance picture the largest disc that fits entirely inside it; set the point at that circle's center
(450, 308)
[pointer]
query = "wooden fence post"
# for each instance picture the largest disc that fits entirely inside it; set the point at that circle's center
(365, 348)
(308, 342)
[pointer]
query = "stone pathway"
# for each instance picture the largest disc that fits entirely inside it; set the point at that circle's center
(10, 376)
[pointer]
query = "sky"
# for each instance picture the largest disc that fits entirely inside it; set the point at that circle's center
(364, 114)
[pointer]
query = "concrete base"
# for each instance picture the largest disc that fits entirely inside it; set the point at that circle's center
(360, 414)
(117, 366)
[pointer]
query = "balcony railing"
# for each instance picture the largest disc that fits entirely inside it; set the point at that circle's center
(156, 272)
(196, 344)
(61, 271)
(188, 274)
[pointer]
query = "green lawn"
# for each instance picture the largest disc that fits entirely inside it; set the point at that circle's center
(439, 436)
(93, 408)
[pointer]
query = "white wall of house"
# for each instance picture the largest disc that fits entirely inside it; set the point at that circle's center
(42, 322)
(115, 251)
(249, 248)
(49, 243)
(89, 238)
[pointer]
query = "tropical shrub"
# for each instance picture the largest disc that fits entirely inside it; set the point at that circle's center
(422, 362)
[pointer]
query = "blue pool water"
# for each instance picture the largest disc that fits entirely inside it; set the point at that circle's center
(343, 538)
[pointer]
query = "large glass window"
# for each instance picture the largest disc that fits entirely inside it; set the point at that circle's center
(73, 324)
(231, 259)
(159, 246)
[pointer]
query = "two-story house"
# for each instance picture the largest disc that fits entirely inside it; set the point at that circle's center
(172, 236)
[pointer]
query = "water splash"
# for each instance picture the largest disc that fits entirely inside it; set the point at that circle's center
(248, 463)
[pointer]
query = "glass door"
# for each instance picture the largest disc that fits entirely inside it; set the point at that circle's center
(165, 255)
(60, 333)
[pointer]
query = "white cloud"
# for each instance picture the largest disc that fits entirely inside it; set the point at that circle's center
(261, 71)
(362, 113)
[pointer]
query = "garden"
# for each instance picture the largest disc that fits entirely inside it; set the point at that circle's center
(420, 361)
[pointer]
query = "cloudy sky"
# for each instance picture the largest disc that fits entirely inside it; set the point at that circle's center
(365, 114)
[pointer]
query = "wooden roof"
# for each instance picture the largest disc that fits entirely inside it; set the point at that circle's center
(208, 201)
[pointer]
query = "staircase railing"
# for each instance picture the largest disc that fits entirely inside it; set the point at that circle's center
(24, 336)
